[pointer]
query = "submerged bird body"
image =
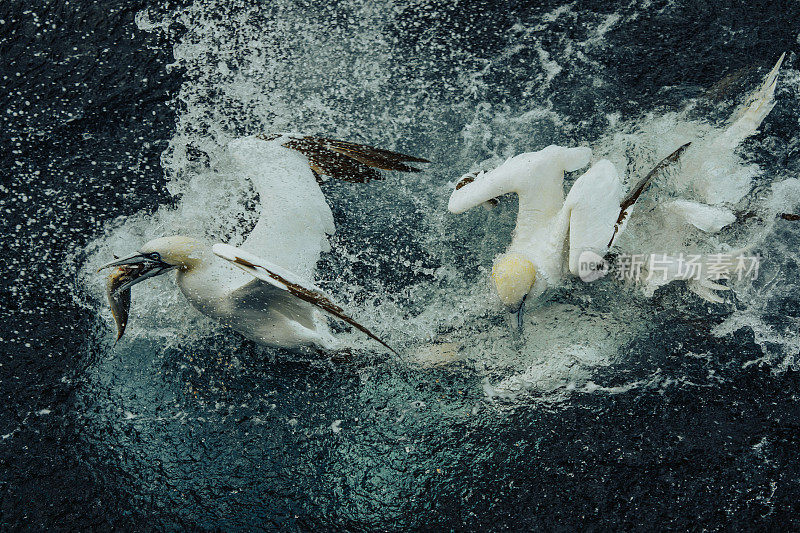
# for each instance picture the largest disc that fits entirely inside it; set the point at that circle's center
(263, 288)
(553, 235)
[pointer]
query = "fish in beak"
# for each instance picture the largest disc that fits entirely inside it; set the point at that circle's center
(127, 273)
(146, 266)
(120, 301)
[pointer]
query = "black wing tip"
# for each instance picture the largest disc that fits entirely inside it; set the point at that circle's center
(406, 157)
(347, 161)
(389, 154)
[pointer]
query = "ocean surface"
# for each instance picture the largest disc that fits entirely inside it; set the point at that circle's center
(610, 409)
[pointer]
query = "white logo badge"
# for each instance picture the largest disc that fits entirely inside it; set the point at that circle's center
(592, 266)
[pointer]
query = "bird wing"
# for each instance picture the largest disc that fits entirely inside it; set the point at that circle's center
(706, 218)
(288, 281)
(295, 220)
(593, 204)
(345, 160)
(479, 188)
(257, 295)
(537, 177)
(599, 208)
(626, 206)
(756, 108)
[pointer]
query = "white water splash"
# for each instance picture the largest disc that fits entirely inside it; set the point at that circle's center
(271, 67)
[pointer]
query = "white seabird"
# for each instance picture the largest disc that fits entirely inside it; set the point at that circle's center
(263, 288)
(553, 232)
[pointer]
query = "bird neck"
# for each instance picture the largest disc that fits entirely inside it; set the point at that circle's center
(207, 282)
(200, 258)
(542, 239)
(537, 220)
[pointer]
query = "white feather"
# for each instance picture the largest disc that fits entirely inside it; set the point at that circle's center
(295, 220)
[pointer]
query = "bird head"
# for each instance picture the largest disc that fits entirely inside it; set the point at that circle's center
(160, 256)
(513, 276)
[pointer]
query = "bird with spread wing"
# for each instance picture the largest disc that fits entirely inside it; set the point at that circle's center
(263, 288)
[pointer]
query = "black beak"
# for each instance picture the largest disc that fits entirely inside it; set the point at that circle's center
(517, 313)
(146, 267)
(132, 260)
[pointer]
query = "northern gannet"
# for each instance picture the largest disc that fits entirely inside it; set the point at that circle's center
(263, 288)
(553, 232)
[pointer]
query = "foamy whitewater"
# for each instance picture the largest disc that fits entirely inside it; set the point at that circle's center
(414, 274)
(617, 405)
(437, 307)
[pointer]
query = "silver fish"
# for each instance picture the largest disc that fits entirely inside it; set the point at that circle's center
(120, 301)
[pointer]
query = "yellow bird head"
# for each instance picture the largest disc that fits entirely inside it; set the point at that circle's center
(513, 276)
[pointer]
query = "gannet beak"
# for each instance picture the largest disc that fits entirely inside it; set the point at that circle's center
(516, 314)
(132, 260)
(150, 267)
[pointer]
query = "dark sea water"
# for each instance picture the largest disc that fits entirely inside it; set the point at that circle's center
(636, 413)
